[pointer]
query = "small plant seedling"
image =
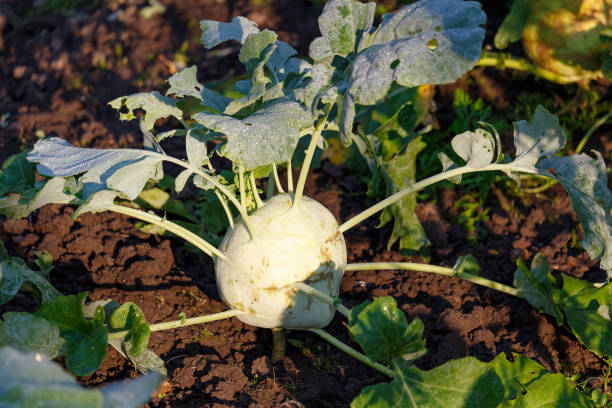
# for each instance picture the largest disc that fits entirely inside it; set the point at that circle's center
(282, 259)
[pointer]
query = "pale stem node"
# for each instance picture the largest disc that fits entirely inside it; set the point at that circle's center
(279, 187)
(440, 270)
(258, 201)
(289, 177)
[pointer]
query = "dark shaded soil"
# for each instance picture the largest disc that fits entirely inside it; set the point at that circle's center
(59, 72)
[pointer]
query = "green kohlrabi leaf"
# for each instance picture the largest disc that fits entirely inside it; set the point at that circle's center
(467, 264)
(17, 174)
(153, 103)
(586, 182)
(536, 285)
(516, 374)
(588, 310)
(551, 390)
(512, 27)
(31, 380)
(214, 32)
(30, 333)
(399, 173)
(15, 272)
(123, 170)
(382, 331)
(87, 341)
(268, 136)
(341, 23)
(129, 317)
(185, 83)
(464, 382)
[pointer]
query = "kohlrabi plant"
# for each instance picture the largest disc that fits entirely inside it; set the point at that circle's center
(282, 259)
(568, 40)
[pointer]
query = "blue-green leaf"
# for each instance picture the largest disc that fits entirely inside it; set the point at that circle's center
(14, 273)
(17, 174)
(30, 333)
(131, 394)
(214, 32)
(123, 170)
(185, 83)
(477, 148)
(153, 103)
(30, 380)
(268, 136)
(586, 182)
(341, 24)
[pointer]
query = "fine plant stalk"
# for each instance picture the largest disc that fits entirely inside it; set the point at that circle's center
(502, 61)
(352, 352)
(289, 178)
(425, 183)
(182, 322)
(334, 302)
(270, 188)
(590, 132)
(228, 213)
(242, 192)
(184, 233)
(440, 270)
(223, 201)
(258, 201)
(312, 147)
(241, 208)
(279, 187)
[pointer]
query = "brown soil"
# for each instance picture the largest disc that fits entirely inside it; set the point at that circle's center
(59, 72)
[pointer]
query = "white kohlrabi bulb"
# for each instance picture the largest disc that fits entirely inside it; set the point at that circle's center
(291, 245)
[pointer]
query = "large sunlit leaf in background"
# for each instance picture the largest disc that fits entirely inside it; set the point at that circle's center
(268, 136)
(428, 42)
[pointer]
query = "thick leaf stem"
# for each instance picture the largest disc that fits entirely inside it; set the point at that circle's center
(184, 233)
(426, 183)
(312, 147)
(258, 201)
(440, 270)
(242, 190)
(289, 177)
(279, 187)
(502, 61)
(352, 352)
(334, 302)
(183, 322)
